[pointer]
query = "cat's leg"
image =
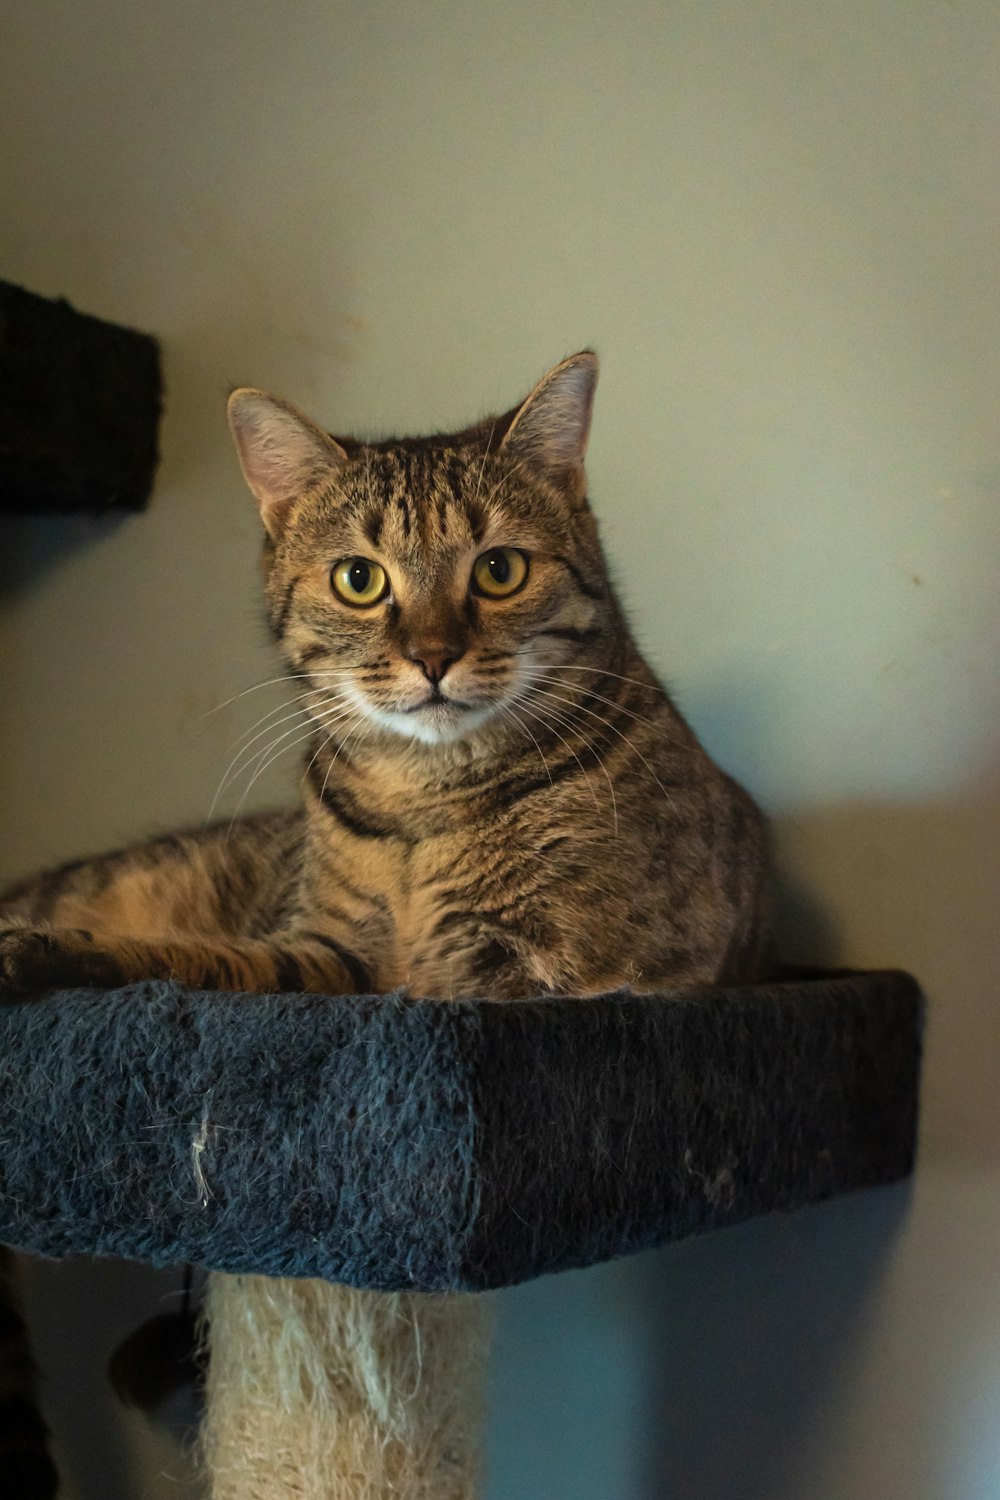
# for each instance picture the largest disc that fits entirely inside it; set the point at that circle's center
(35, 959)
(228, 880)
(191, 907)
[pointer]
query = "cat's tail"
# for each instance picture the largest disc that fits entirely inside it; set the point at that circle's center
(26, 1468)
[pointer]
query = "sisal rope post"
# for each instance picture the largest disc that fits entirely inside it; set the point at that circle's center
(317, 1391)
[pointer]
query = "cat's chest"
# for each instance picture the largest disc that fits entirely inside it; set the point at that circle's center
(445, 916)
(443, 907)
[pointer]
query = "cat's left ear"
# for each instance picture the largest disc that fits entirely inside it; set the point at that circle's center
(281, 452)
(550, 429)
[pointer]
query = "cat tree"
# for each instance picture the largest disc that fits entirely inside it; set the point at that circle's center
(388, 1145)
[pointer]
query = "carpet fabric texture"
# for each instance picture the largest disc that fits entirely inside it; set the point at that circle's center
(427, 1145)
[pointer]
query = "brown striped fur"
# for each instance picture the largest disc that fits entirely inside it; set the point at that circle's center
(500, 798)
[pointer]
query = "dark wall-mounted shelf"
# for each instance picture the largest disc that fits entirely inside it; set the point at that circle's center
(79, 408)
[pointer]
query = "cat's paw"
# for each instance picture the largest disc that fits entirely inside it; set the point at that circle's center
(32, 960)
(23, 960)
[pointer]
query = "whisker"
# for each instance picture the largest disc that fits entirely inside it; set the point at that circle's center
(287, 703)
(615, 730)
(336, 674)
(271, 682)
(557, 682)
(556, 717)
(269, 758)
(511, 714)
(362, 717)
(648, 687)
(264, 756)
(240, 748)
(314, 757)
(326, 695)
(514, 469)
(330, 715)
(549, 719)
(318, 751)
(285, 677)
(233, 770)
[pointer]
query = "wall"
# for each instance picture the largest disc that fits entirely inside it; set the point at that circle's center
(778, 224)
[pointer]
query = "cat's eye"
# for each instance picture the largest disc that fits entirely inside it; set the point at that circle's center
(499, 572)
(359, 582)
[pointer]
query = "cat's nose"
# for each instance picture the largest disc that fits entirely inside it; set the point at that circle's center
(435, 659)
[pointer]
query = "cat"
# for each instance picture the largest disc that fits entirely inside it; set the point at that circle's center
(499, 797)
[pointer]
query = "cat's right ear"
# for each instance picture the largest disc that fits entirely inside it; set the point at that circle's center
(281, 452)
(550, 428)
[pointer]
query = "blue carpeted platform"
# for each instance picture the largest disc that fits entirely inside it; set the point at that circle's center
(434, 1145)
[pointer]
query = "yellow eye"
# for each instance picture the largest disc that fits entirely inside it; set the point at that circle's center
(499, 572)
(358, 581)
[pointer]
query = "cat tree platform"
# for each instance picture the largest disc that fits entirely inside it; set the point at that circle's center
(442, 1146)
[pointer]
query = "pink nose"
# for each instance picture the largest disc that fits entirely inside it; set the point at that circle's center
(434, 660)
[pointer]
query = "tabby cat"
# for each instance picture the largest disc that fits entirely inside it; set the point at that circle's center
(499, 800)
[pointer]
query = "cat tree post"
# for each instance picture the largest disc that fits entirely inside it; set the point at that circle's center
(323, 1391)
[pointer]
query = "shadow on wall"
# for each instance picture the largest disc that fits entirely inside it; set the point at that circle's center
(914, 885)
(752, 1328)
(688, 1373)
(31, 546)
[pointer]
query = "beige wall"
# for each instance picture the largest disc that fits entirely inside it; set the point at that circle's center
(778, 224)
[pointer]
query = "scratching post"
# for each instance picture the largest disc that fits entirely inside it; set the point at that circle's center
(320, 1392)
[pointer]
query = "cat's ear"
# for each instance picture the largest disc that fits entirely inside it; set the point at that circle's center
(550, 429)
(281, 452)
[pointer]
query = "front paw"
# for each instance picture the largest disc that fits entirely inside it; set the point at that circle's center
(32, 960)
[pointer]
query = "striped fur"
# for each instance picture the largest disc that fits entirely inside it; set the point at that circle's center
(500, 799)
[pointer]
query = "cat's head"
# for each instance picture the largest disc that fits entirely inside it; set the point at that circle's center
(418, 583)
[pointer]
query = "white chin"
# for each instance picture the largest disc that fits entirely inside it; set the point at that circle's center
(435, 724)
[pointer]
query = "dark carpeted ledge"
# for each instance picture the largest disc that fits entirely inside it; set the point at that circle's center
(424, 1144)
